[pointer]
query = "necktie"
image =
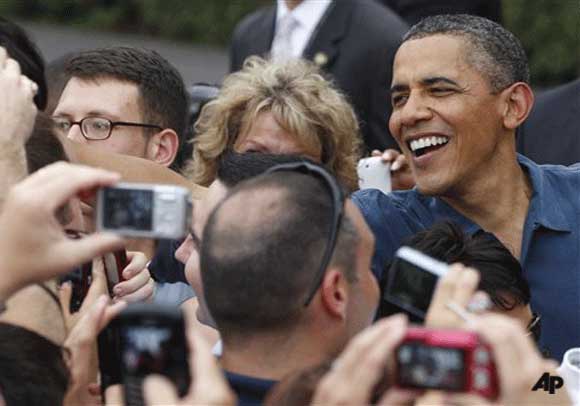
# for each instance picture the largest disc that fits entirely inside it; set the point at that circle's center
(282, 44)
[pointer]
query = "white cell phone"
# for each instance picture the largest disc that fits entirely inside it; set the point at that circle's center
(373, 173)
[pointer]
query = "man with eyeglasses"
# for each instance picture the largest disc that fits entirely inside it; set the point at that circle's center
(125, 100)
(287, 283)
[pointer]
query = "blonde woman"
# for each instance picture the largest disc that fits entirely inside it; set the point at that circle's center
(278, 108)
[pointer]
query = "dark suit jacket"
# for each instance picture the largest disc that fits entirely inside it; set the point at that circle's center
(413, 11)
(359, 39)
(551, 134)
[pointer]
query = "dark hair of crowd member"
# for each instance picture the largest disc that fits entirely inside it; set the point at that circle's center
(32, 369)
(21, 48)
(501, 275)
(43, 147)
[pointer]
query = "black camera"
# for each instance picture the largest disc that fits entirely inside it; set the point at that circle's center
(411, 281)
(150, 339)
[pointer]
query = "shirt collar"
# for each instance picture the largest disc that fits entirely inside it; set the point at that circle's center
(307, 14)
(545, 208)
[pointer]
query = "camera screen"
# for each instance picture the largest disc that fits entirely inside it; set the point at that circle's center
(128, 209)
(411, 287)
(148, 349)
(423, 366)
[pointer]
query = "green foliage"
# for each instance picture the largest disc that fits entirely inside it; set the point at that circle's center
(549, 29)
(550, 33)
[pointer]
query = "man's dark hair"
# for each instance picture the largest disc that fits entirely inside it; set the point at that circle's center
(33, 368)
(43, 147)
(501, 275)
(261, 263)
(492, 50)
(234, 167)
(164, 100)
(21, 48)
(56, 80)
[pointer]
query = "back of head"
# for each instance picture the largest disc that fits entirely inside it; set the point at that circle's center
(492, 50)
(302, 102)
(21, 48)
(33, 368)
(164, 100)
(262, 247)
(501, 275)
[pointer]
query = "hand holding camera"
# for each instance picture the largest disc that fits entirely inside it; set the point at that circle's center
(363, 365)
(33, 244)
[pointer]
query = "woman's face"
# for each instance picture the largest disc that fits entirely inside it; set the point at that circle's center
(266, 136)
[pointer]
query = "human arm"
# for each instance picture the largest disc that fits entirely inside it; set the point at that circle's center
(356, 373)
(33, 244)
(17, 112)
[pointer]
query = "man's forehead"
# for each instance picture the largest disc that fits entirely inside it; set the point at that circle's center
(432, 56)
(99, 96)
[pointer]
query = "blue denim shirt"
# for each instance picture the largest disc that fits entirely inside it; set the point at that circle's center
(550, 254)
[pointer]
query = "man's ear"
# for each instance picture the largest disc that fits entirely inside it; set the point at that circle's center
(162, 147)
(334, 293)
(519, 99)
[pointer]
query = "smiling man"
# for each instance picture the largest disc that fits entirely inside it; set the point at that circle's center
(460, 89)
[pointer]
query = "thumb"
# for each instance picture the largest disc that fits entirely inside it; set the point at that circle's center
(159, 391)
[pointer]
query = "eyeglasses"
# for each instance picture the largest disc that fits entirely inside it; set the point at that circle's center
(338, 199)
(96, 128)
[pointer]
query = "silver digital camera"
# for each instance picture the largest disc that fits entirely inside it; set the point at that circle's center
(144, 210)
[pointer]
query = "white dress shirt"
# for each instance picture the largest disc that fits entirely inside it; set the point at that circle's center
(304, 19)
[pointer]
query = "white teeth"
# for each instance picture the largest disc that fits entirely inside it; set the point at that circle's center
(427, 142)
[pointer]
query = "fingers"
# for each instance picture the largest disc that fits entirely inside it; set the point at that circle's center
(159, 391)
(61, 181)
(74, 252)
(399, 163)
(138, 289)
(356, 372)
(465, 286)
(137, 263)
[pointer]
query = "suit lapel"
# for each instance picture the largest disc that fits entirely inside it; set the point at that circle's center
(323, 46)
(261, 42)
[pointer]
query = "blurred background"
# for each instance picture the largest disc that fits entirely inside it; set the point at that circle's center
(194, 34)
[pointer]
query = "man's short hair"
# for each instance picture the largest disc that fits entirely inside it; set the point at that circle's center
(493, 51)
(258, 268)
(164, 100)
(33, 368)
(501, 275)
(21, 48)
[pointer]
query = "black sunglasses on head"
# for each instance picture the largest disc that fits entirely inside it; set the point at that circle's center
(338, 199)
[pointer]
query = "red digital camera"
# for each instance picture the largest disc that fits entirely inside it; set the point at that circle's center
(448, 360)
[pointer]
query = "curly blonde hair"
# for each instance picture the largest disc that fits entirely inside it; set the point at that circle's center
(303, 103)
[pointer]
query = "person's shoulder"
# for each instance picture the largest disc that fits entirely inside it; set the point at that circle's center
(561, 180)
(251, 21)
(373, 200)
(371, 15)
